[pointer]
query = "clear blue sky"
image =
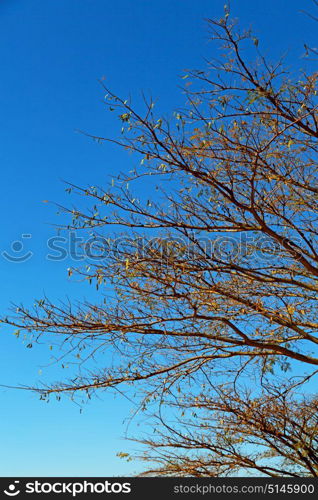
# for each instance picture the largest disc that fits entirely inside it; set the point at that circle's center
(52, 54)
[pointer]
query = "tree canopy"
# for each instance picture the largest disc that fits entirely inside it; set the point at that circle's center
(210, 249)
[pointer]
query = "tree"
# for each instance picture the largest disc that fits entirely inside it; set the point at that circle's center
(214, 277)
